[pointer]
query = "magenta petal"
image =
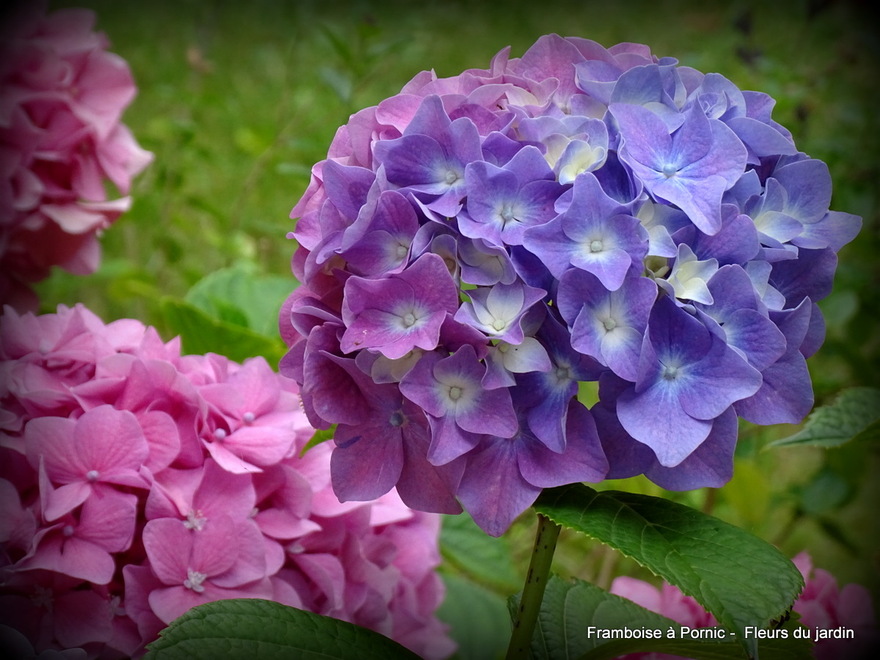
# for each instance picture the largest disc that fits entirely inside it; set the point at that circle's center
(261, 445)
(51, 438)
(168, 545)
(110, 440)
(215, 548)
(63, 499)
(163, 438)
(82, 617)
(108, 519)
(71, 556)
(224, 493)
(249, 560)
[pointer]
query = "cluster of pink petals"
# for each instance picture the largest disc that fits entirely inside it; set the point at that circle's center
(822, 606)
(61, 140)
(136, 483)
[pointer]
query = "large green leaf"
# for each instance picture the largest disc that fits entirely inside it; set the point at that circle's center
(484, 558)
(202, 333)
(240, 295)
(854, 415)
(577, 620)
(477, 619)
(254, 628)
(741, 579)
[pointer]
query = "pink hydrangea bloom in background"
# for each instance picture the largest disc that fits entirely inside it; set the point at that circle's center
(825, 606)
(136, 483)
(822, 606)
(61, 139)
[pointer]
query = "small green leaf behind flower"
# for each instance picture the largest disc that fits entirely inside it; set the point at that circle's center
(853, 416)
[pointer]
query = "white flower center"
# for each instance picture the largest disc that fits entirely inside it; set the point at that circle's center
(609, 324)
(455, 392)
(563, 375)
(596, 246)
(670, 373)
(92, 475)
(194, 580)
(195, 520)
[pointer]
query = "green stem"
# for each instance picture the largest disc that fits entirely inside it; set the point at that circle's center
(533, 590)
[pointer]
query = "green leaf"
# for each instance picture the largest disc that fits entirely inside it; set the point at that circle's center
(855, 413)
(201, 333)
(477, 619)
(825, 492)
(870, 434)
(484, 558)
(254, 628)
(242, 296)
(321, 435)
(741, 579)
(575, 615)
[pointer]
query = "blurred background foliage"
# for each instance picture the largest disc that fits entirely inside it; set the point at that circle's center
(238, 100)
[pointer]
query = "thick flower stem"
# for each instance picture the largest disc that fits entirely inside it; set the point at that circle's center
(533, 591)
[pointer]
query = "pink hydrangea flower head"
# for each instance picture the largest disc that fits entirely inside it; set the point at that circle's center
(823, 605)
(61, 139)
(118, 513)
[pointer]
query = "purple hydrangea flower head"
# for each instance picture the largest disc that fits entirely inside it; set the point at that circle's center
(476, 247)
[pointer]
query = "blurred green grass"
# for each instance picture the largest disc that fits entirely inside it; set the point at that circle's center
(239, 100)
